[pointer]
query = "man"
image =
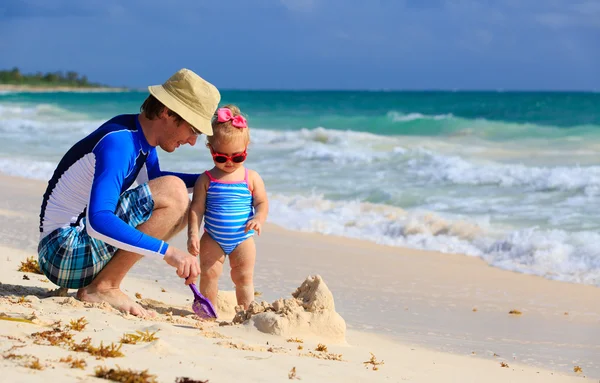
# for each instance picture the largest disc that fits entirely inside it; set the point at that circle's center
(93, 226)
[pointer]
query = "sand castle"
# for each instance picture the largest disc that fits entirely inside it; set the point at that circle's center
(310, 312)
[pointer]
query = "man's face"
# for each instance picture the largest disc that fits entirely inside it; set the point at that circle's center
(174, 135)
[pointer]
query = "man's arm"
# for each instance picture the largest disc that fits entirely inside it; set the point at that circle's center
(112, 163)
(154, 171)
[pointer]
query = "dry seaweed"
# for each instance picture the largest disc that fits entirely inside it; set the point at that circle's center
(300, 347)
(515, 312)
(55, 337)
(294, 340)
(502, 364)
(292, 374)
(77, 324)
(82, 346)
(13, 356)
(577, 369)
(110, 351)
(16, 346)
(189, 380)
(373, 362)
(4, 317)
(34, 364)
(22, 299)
(257, 293)
(240, 346)
(74, 363)
(126, 376)
(31, 265)
(138, 295)
(321, 347)
(12, 337)
(326, 356)
(277, 350)
(140, 336)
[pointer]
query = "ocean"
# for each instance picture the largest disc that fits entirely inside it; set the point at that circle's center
(512, 178)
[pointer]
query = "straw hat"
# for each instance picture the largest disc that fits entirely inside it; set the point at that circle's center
(191, 97)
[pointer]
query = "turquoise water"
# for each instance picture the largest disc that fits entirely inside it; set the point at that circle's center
(513, 178)
(373, 112)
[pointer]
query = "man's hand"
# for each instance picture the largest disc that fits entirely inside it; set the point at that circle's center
(193, 245)
(187, 265)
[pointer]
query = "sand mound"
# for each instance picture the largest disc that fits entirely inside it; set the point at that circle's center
(226, 302)
(311, 312)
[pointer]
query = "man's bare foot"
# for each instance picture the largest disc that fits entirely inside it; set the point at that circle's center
(115, 298)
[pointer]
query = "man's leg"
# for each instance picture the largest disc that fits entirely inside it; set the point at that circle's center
(171, 202)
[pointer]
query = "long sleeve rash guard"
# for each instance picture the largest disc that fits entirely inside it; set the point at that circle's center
(91, 177)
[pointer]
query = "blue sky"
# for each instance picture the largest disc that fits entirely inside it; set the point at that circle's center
(311, 44)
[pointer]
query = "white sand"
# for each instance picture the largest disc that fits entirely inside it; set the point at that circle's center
(417, 302)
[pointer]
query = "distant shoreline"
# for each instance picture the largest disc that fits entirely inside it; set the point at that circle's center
(60, 88)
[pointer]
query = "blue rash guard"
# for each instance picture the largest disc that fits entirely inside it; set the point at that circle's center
(91, 177)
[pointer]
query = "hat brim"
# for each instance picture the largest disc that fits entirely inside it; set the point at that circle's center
(199, 123)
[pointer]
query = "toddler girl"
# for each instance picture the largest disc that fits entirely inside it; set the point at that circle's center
(233, 202)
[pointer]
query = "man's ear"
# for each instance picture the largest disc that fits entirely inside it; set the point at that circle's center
(164, 114)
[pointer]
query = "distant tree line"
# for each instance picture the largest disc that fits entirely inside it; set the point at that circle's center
(70, 78)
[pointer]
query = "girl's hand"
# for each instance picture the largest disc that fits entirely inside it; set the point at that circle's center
(193, 245)
(253, 224)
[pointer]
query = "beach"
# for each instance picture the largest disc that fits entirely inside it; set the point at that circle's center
(428, 316)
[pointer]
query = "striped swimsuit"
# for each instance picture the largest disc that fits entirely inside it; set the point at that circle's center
(228, 208)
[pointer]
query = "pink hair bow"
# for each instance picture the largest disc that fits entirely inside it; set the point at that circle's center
(225, 114)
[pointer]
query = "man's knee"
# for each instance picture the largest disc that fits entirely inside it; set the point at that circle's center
(171, 192)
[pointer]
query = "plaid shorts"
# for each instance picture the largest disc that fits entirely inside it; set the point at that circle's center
(69, 257)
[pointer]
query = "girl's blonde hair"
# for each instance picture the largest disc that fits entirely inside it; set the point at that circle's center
(225, 132)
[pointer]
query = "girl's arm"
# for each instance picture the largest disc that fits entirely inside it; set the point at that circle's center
(261, 202)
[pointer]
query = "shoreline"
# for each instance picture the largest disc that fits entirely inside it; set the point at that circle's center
(62, 89)
(453, 304)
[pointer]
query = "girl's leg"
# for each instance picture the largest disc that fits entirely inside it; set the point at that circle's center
(211, 265)
(242, 261)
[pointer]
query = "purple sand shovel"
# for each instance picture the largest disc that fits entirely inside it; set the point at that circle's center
(202, 306)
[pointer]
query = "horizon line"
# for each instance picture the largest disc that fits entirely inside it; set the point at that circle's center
(444, 90)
